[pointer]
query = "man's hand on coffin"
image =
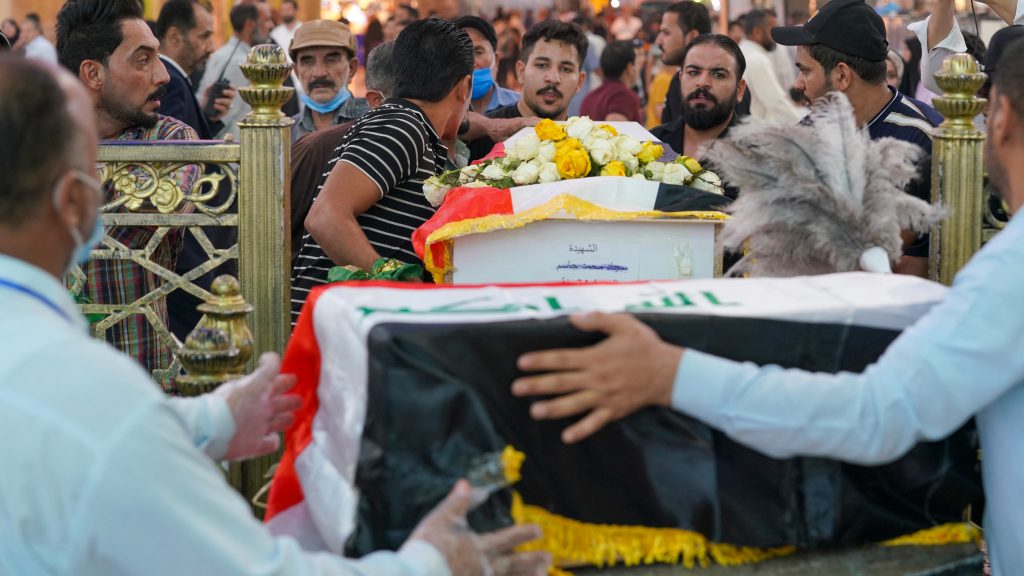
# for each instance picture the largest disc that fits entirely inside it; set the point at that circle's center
(469, 554)
(630, 369)
(260, 408)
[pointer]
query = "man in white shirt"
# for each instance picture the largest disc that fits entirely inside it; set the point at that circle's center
(107, 476)
(769, 99)
(36, 45)
(282, 33)
(964, 358)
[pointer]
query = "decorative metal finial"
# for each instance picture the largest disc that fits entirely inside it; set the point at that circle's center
(218, 348)
(266, 68)
(959, 79)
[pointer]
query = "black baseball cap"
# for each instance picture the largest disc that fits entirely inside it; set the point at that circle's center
(849, 26)
(997, 45)
(480, 25)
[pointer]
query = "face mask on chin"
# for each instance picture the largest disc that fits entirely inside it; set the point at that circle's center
(83, 248)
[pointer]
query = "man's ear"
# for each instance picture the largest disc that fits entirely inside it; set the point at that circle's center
(353, 67)
(689, 36)
(173, 38)
(92, 74)
(1001, 123)
(741, 89)
(842, 77)
(465, 88)
(579, 84)
(69, 202)
(521, 72)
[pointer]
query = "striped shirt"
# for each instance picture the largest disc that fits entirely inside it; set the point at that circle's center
(904, 118)
(396, 147)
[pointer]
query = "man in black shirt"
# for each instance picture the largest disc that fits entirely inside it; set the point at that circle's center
(712, 78)
(549, 70)
(371, 199)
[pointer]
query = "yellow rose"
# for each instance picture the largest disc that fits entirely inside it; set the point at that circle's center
(691, 164)
(568, 144)
(609, 129)
(548, 129)
(650, 152)
(573, 164)
(614, 168)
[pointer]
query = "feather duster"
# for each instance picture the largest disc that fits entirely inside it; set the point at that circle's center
(819, 197)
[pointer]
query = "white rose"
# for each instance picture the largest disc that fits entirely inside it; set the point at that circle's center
(675, 174)
(476, 184)
(493, 171)
(434, 191)
(708, 182)
(626, 144)
(632, 164)
(525, 148)
(657, 170)
(526, 173)
(469, 173)
(546, 152)
(639, 176)
(579, 127)
(549, 173)
(602, 152)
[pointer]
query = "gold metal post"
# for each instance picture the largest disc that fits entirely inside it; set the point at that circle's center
(958, 169)
(264, 201)
(220, 345)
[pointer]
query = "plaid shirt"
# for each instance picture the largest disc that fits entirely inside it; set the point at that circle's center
(122, 282)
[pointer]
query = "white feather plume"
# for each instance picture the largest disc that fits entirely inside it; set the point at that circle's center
(814, 197)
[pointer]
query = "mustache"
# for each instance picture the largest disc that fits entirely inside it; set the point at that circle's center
(321, 83)
(702, 93)
(550, 88)
(158, 93)
(799, 96)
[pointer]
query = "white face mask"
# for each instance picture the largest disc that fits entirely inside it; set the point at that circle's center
(84, 247)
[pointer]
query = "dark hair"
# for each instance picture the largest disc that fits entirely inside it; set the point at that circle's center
(380, 69)
(480, 25)
(412, 12)
(34, 18)
(1008, 78)
(616, 57)
(975, 46)
(241, 14)
(829, 58)
(39, 135)
(91, 30)
(691, 16)
(430, 57)
(292, 2)
(755, 19)
(180, 14)
(723, 42)
(912, 71)
(554, 30)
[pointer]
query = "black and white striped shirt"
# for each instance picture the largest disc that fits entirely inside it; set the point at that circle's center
(397, 148)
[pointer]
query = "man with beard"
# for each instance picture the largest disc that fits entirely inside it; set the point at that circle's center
(282, 34)
(680, 24)
(324, 53)
(769, 101)
(961, 359)
(712, 79)
(844, 48)
(185, 31)
(252, 23)
(111, 49)
(549, 69)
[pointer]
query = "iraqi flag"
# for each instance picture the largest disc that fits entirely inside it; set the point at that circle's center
(405, 386)
(608, 198)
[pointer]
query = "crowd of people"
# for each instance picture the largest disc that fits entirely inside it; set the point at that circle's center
(114, 477)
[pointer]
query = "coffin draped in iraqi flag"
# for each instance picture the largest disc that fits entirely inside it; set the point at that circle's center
(405, 386)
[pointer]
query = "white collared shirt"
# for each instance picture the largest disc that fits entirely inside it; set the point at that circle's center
(103, 476)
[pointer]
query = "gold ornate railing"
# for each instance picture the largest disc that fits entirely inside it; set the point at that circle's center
(975, 213)
(165, 190)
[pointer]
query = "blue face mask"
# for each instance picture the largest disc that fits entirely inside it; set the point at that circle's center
(329, 107)
(482, 82)
(83, 248)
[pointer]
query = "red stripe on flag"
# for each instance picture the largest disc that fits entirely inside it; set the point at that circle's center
(462, 204)
(302, 358)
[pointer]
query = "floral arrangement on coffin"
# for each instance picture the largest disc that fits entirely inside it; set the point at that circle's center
(578, 149)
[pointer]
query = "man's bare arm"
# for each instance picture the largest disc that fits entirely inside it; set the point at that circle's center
(346, 194)
(497, 129)
(941, 22)
(1005, 9)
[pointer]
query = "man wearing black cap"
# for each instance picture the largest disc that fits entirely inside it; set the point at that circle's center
(487, 95)
(843, 48)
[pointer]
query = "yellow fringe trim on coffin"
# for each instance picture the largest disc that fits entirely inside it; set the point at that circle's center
(567, 203)
(573, 543)
(952, 533)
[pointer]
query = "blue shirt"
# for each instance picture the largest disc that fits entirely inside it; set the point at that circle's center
(104, 476)
(964, 358)
(502, 97)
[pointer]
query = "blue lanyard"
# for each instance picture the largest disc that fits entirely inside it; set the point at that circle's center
(35, 295)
